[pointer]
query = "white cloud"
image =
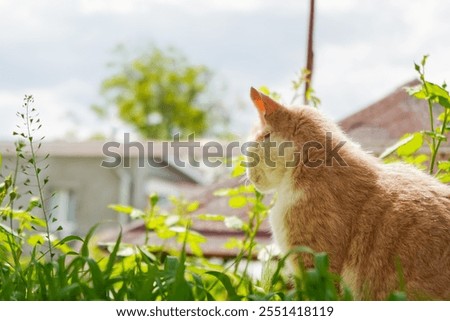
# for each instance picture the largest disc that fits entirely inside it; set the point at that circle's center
(110, 6)
(57, 50)
(196, 7)
(59, 109)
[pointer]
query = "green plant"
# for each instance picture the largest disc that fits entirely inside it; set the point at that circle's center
(297, 85)
(409, 147)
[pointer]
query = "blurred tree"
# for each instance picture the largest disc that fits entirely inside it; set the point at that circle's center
(160, 94)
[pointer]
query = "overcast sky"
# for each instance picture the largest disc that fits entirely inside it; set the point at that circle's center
(58, 50)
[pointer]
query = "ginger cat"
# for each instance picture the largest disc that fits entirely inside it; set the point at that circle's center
(336, 198)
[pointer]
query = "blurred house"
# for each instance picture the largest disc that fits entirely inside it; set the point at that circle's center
(384, 122)
(83, 188)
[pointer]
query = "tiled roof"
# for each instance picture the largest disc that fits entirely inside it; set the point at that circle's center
(385, 121)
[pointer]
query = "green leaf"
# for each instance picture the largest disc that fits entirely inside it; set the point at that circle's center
(153, 198)
(226, 282)
(8, 230)
(193, 206)
(194, 242)
(236, 191)
(424, 60)
(12, 195)
(233, 243)
(211, 217)
(397, 296)
(435, 135)
(180, 289)
(97, 278)
(444, 177)
(420, 159)
(436, 90)
(36, 239)
(199, 284)
(444, 102)
(34, 202)
(418, 92)
(113, 255)
(321, 262)
(411, 146)
(237, 201)
(85, 247)
(431, 91)
(165, 233)
(265, 90)
(69, 238)
(238, 170)
(121, 208)
(444, 165)
(171, 263)
(417, 67)
(388, 151)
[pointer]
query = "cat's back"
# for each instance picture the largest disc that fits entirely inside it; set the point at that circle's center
(414, 189)
(410, 223)
(418, 204)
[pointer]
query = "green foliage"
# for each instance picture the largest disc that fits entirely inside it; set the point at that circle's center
(20, 221)
(297, 85)
(160, 94)
(266, 91)
(413, 144)
(408, 149)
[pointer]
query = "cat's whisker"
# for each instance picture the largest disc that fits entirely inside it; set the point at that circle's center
(244, 180)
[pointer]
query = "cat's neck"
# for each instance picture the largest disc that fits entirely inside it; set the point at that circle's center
(356, 172)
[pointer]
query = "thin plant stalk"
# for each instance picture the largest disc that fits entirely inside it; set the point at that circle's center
(37, 176)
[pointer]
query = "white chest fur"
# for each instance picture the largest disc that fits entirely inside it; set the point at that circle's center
(286, 198)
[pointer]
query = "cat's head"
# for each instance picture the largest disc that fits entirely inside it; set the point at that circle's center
(284, 139)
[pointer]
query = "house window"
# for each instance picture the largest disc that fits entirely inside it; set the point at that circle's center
(63, 206)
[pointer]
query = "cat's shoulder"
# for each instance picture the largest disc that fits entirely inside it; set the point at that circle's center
(408, 177)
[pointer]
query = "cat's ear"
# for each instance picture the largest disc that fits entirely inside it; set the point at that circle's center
(263, 103)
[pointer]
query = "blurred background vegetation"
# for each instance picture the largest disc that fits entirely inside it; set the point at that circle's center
(159, 93)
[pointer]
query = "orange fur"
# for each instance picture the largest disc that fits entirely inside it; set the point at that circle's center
(366, 215)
